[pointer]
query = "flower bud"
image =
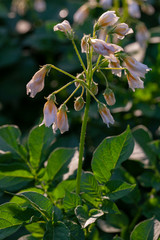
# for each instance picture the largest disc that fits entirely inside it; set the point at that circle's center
(94, 88)
(80, 76)
(108, 18)
(81, 14)
(105, 114)
(62, 120)
(64, 27)
(79, 103)
(109, 97)
(36, 84)
(122, 30)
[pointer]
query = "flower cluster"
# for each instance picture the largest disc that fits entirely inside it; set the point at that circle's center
(110, 57)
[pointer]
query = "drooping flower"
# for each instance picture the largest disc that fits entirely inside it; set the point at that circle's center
(122, 30)
(62, 120)
(134, 81)
(103, 48)
(64, 27)
(81, 14)
(114, 63)
(36, 84)
(108, 18)
(50, 112)
(79, 103)
(137, 68)
(105, 114)
(109, 97)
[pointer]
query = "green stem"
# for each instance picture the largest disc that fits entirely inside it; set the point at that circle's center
(80, 59)
(116, 5)
(104, 78)
(113, 68)
(72, 94)
(62, 71)
(82, 141)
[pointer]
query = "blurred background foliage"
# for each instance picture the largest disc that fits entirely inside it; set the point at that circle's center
(27, 41)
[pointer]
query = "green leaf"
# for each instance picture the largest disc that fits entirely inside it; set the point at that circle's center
(71, 200)
(155, 146)
(110, 154)
(22, 201)
(86, 218)
(109, 207)
(57, 232)
(146, 230)
(76, 233)
(58, 162)
(14, 176)
(40, 138)
(38, 202)
(62, 187)
(151, 208)
(92, 200)
(11, 219)
(116, 189)
(89, 184)
(150, 179)
(9, 141)
(37, 229)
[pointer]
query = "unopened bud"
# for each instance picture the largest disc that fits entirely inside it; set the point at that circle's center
(80, 76)
(94, 88)
(109, 97)
(79, 103)
(64, 27)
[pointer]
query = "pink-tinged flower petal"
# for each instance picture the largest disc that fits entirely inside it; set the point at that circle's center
(108, 18)
(122, 30)
(62, 120)
(109, 97)
(36, 84)
(134, 81)
(81, 14)
(106, 115)
(136, 67)
(84, 44)
(103, 48)
(63, 27)
(114, 63)
(50, 113)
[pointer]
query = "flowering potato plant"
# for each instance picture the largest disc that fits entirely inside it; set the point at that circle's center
(51, 198)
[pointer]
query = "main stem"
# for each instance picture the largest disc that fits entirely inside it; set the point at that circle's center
(82, 141)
